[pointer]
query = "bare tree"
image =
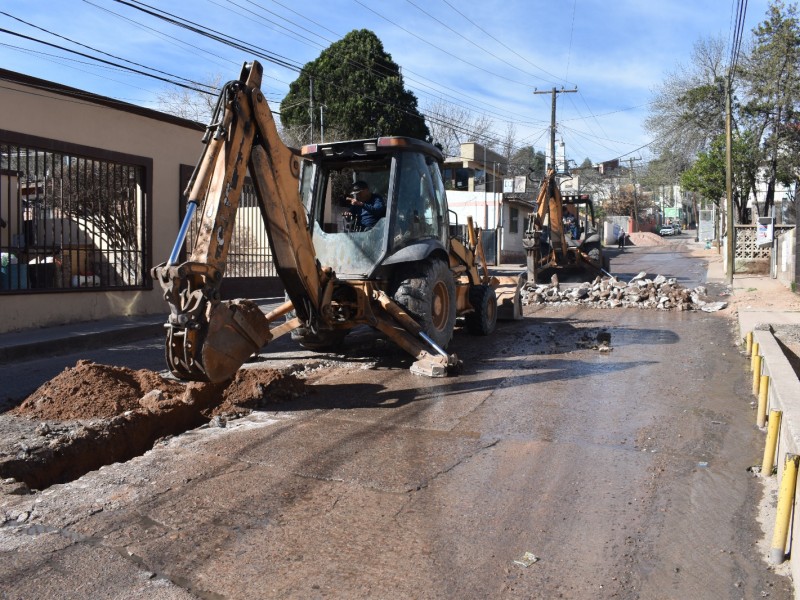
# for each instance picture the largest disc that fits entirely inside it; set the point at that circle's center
(194, 105)
(508, 143)
(688, 109)
(451, 125)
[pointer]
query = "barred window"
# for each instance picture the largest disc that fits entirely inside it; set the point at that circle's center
(71, 218)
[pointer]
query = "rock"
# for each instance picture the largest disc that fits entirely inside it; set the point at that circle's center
(714, 306)
(152, 400)
(12, 486)
(661, 293)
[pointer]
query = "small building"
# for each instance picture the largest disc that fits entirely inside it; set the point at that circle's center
(90, 200)
(477, 169)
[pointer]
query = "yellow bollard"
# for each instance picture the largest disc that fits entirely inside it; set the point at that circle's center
(753, 355)
(756, 374)
(763, 396)
(773, 427)
(749, 341)
(786, 493)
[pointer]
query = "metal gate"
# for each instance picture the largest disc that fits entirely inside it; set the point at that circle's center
(250, 271)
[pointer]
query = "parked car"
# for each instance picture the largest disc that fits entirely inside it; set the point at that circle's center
(666, 230)
(677, 228)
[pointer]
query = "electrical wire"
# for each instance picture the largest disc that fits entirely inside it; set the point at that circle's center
(102, 60)
(555, 77)
(215, 35)
(478, 46)
(99, 51)
(458, 58)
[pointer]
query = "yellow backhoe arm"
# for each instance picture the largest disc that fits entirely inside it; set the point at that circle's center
(208, 339)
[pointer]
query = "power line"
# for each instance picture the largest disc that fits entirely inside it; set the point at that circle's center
(240, 44)
(95, 58)
(222, 38)
(173, 79)
(96, 50)
(213, 34)
(459, 34)
(422, 39)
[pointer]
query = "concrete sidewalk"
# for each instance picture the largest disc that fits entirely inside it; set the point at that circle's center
(62, 339)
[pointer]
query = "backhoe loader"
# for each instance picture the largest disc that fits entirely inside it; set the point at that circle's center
(563, 235)
(410, 276)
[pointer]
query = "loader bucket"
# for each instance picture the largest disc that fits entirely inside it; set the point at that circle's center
(236, 330)
(509, 301)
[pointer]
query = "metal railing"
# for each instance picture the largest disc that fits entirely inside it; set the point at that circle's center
(250, 254)
(70, 220)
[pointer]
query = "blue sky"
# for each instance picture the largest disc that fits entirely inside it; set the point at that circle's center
(487, 56)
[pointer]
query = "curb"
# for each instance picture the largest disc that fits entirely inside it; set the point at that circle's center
(76, 340)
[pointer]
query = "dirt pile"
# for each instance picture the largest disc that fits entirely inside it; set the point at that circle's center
(95, 391)
(646, 238)
(111, 414)
(609, 292)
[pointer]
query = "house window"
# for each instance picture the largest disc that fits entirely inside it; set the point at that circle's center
(513, 220)
(462, 179)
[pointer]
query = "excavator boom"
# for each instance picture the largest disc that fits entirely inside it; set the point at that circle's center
(208, 339)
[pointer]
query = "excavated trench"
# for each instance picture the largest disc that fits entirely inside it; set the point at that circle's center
(92, 415)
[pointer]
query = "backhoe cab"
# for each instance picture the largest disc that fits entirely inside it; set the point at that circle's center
(406, 276)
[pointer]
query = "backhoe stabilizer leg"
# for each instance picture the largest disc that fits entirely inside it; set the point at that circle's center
(430, 365)
(427, 364)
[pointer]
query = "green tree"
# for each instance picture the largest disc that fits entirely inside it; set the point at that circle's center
(707, 175)
(362, 91)
(525, 161)
(772, 94)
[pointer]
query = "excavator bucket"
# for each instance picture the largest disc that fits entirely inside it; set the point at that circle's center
(236, 330)
(509, 301)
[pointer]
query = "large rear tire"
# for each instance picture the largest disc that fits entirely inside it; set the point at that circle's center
(484, 319)
(427, 292)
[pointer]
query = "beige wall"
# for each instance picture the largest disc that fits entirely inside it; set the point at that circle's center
(32, 111)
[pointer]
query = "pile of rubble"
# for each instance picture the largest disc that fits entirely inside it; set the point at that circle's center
(609, 292)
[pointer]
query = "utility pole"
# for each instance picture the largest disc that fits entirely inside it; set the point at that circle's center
(311, 106)
(554, 91)
(635, 196)
(729, 246)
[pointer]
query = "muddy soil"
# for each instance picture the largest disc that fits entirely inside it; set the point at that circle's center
(92, 415)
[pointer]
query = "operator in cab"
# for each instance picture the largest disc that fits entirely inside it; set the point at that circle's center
(368, 208)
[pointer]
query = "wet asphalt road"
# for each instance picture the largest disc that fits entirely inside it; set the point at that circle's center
(625, 473)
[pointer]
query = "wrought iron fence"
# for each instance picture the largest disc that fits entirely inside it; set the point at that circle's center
(70, 220)
(250, 254)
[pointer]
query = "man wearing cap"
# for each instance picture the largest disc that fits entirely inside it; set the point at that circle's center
(368, 207)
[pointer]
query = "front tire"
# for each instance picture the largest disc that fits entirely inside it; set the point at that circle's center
(484, 318)
(594, 254)
(427, 292)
